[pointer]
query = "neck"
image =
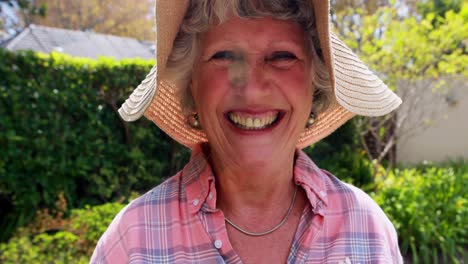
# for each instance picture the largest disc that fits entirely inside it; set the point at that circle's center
(253, 186)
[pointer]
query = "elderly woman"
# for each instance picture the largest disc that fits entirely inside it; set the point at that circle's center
(246, 84)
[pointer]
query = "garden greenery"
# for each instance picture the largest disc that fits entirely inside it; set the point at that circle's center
(72, 240)
(60, 132)
(427, 205)
(429, 208)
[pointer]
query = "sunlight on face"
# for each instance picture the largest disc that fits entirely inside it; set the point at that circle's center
(252, 87)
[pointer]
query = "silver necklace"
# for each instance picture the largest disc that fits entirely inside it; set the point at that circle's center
(271, 230)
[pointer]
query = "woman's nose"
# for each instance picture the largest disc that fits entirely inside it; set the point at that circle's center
(249, 76)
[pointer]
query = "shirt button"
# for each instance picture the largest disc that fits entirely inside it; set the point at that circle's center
(210, 196)
(196, 202)
(322, 193)
(218, 244)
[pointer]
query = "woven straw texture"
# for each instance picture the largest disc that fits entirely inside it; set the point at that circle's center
(357, 90)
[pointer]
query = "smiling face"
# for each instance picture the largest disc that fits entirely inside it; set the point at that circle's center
(252, 88)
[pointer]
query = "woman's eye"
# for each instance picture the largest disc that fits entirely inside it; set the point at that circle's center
(282, 59)
(224, 55)
(282, 55)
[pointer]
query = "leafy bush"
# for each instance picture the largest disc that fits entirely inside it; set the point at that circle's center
(429, 208)
(72, 242)
(91, 222)
(60, 132)
(340, 154)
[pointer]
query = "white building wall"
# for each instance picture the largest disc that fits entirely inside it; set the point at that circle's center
(447, 136)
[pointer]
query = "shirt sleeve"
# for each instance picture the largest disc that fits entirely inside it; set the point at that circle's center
(393, 242)
(112, 246)
(379, 223)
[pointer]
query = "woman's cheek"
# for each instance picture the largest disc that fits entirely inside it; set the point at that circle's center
(209, 87)
(294, 82)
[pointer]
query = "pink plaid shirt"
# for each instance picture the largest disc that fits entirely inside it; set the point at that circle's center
(177, 222)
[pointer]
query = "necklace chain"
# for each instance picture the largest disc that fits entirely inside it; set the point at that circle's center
(271, 230)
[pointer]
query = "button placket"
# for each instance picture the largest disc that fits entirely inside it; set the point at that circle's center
(218, 243)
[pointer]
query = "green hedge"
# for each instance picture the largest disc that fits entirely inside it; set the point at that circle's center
(341, 154)
(429, 208)
(60, 132)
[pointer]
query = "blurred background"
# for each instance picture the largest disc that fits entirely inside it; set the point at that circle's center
(68, 163)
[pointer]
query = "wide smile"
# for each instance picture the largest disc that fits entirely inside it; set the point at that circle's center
(254, 121)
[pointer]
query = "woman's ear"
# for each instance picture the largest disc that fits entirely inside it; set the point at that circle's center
(188, 102)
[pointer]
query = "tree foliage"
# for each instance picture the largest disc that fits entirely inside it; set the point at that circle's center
(411, 48)
(438, 7)
(348, 6)
(15, 14)
(408, 50)
(117, 17)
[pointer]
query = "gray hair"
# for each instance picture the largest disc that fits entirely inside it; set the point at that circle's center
(202, 14)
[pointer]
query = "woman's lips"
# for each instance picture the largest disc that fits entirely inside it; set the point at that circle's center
(251, 121)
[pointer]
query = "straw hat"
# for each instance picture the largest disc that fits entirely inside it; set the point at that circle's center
(357, 90)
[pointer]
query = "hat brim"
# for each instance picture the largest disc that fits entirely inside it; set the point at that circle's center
(357, 89)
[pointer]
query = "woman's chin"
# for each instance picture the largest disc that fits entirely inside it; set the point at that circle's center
(255, 143)
(255, 153)
(249, 157)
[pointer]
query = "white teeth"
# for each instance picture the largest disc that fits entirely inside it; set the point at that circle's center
(257, 123)
(249, 122)
(252, 123)
(235, 119)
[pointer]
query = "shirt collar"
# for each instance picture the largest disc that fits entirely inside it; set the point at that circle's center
(312, 179)
(199, 182)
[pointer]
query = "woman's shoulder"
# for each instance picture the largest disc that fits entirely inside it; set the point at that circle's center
(339, 198)
(167, 194)
(358, 208)
(168, 190)
(347, 197)
(139, 217)
(352, 213)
